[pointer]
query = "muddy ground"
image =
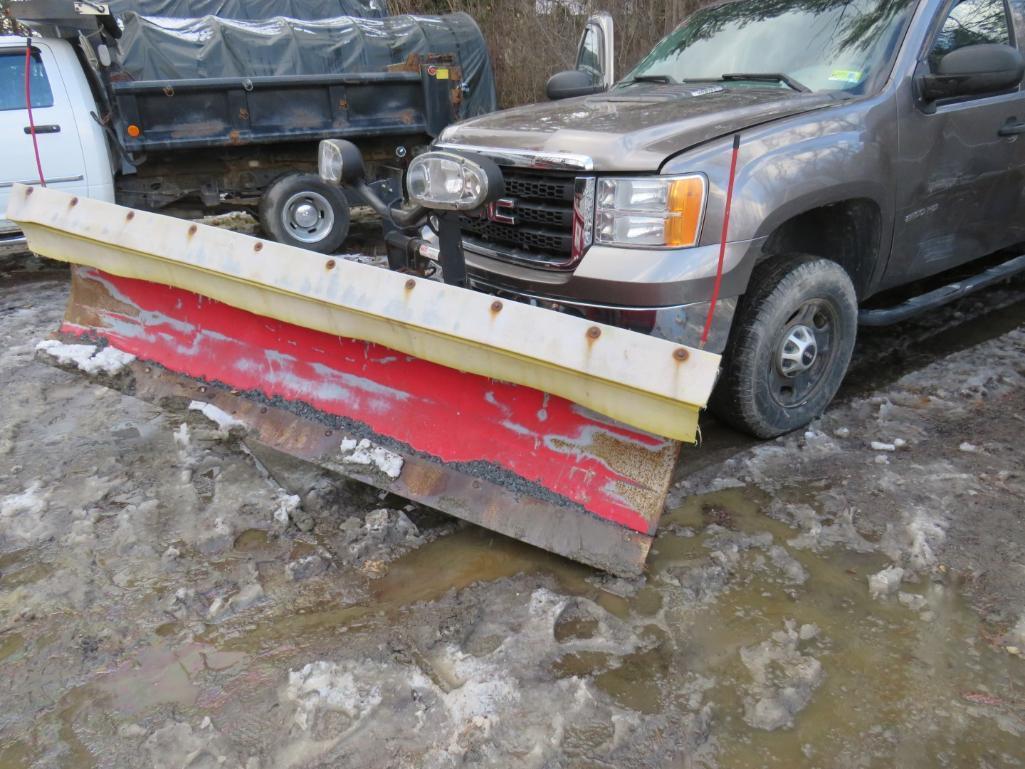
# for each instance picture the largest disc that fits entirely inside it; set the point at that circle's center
(850, 596)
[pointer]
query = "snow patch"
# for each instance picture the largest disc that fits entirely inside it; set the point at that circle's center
(109, 360)
(885, 582)
(330, 686)
(225, 422)
(366, 453)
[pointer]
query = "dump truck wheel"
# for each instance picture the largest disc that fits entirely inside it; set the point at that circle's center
(303, 210)
(789, 347)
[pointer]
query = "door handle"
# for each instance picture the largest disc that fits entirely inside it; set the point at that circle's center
(1011, 128)
(43, 129)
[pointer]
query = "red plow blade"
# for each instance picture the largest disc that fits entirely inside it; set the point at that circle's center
(515, 460)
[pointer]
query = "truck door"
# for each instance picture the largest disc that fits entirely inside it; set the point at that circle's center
(960, 183)
(60, 149)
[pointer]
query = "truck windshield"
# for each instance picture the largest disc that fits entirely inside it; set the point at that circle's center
(818, 45)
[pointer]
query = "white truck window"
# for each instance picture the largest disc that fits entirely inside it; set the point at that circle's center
(12, 82)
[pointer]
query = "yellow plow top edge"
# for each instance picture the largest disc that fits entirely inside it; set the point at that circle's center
(640, 380)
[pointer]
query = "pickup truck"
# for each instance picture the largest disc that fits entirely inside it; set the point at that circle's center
(207, 115)
(771, 174)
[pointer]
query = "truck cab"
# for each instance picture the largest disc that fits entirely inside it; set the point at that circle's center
(73, 152)
(757, 179)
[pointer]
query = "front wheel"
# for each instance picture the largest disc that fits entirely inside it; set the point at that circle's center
(789, 348)
(305, 211)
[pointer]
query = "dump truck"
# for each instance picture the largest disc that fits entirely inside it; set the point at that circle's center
(571, 283)
(207, 115)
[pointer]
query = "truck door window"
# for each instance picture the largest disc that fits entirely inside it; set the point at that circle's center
(971, 22)
(12, 82)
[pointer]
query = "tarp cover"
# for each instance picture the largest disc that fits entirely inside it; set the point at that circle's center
(183, 49)
(252, 10)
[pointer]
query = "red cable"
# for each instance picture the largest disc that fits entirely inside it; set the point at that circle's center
(28, 105)
(722, 244)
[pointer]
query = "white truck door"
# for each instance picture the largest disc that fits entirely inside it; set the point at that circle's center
(60, 147)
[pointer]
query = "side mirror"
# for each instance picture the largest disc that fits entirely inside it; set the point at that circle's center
(572, 82)
(974, 70)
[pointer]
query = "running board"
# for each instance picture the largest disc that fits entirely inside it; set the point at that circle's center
(886, 316)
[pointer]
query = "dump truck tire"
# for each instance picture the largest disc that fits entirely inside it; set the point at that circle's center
(303, 210)
(789, 348)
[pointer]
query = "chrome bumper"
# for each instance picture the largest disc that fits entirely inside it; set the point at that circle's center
(12, 244)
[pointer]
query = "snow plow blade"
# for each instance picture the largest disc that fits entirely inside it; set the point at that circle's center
(541, 426)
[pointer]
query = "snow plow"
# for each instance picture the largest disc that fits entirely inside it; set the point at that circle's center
(542, 426)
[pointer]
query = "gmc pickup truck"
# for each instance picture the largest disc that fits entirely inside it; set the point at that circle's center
(859, 146)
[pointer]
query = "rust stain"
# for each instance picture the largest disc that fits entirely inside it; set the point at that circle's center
(129, 216)
(330, 264)
(234, 137)
(410, 284)
(681, 354)
(193, 229)
(243, 114)
(258, 246)
(411, 64)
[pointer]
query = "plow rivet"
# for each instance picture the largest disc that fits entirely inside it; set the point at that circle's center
(328, 433)
(258, 246)
(73, 202)
(410, 284)
(680, 354)
(202, 389)
(148, 370)
(496, 306)
(263, 409)
(330, 264)
(593, 332)
(28, 191)
(130, 215)
(193, 229)
(476, 484)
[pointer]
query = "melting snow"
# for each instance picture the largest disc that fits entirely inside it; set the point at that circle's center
(86, 357)
(223, 419)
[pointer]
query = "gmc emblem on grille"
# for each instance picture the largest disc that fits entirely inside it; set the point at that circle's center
(502, 211)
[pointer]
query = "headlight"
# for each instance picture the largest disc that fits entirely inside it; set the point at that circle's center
(650, 211)
(340, 161)
(450, 182)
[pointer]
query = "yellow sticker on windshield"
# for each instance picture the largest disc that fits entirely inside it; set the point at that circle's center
(851, 76)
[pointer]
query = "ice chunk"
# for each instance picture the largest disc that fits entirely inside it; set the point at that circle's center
(880, 446)
(366, 453)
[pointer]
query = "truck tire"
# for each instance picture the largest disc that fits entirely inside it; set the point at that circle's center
(789, 348)
(305, 211)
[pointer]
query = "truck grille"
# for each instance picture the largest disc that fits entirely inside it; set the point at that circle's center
(533, 223)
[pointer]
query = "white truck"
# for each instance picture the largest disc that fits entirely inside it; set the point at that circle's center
(72, 146)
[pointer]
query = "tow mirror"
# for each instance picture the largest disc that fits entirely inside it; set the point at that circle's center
(974, 70)
(572, 82)
(595, 67)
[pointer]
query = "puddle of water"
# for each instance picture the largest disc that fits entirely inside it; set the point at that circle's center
(9, 646)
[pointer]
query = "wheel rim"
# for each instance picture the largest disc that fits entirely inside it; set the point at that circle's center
(803, 353)
(308, 217)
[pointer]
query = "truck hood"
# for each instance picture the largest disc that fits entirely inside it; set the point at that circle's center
(635, 129)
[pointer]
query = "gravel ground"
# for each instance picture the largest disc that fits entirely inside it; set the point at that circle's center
(851, 596)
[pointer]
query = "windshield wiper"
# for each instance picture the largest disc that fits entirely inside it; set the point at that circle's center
(768, 77)
(650, 79)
